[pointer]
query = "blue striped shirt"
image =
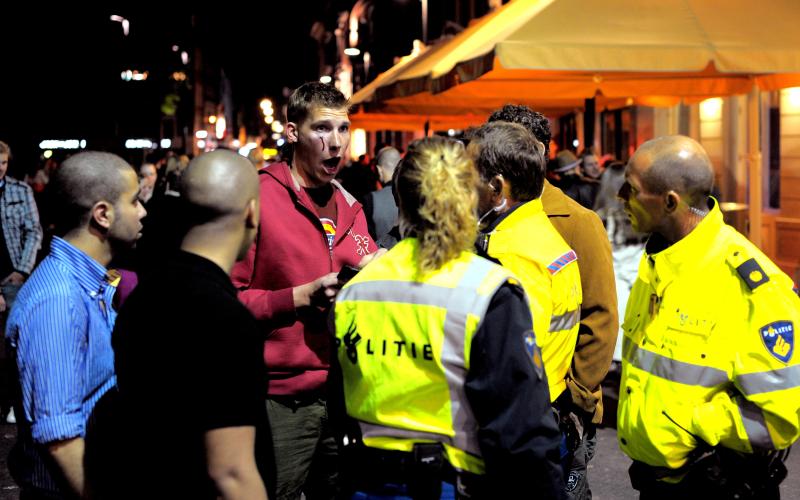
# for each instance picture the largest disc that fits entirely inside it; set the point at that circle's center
(60, 328)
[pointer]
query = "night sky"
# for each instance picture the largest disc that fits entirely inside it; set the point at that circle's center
(61, 69)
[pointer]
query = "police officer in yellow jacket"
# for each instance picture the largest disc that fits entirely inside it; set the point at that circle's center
(439, 362)
(710, 389)
(516, 232)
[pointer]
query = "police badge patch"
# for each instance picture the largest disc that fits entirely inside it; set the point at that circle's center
(534, 353)
(778, 338)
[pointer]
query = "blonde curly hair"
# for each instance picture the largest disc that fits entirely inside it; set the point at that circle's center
(436, 187)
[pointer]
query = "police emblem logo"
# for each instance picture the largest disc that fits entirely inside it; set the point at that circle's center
(534, 353)
(778, 338)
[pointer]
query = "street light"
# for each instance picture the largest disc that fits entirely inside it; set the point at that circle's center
(221, 127)
(126, 25)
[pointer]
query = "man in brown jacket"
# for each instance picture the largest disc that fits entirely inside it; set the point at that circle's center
(584, 232)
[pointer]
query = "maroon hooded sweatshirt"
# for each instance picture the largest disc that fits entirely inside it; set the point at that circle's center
(291, 249)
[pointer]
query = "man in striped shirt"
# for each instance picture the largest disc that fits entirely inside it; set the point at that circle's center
(60, 328)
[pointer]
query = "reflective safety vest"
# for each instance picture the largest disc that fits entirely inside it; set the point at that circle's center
(403, 343)
(708, 350)
(527, 244)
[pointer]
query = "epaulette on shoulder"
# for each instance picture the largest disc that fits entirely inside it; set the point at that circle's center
(747, 267)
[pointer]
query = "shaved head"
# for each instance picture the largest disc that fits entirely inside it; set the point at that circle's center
(677, 163)
(387, 161)
(83, 180)
(388, 157)
(217, 184)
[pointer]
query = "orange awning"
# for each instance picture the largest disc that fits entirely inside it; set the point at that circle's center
(415, 122)
(615, 49)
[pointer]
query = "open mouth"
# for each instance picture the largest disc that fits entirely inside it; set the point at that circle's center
(331, 163)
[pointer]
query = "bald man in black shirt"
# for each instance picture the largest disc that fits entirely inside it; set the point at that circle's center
(189, 355)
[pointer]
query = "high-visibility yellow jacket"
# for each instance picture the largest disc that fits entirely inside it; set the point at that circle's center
(527, 244)
(403, 345)
(708, 353)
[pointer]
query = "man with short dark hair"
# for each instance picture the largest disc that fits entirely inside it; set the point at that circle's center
(516, 232)
(709, 395)
(61, 325)
(597, 334)
(310, 227)
(205, 371)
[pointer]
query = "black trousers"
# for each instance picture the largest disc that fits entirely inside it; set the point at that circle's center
(704, 481)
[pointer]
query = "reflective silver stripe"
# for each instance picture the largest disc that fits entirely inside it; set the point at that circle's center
(565, 321)
(453, 356)
(460, 302)
(374, 430)
(774, 380)
(674, 370)
(402, 292)
(754, 425)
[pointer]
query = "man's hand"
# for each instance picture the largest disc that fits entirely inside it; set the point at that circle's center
(321, 292)
(2, 304)
(370, 257)
(14, 278)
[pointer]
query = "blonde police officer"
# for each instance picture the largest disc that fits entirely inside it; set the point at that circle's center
(439, 362)
(710, 385)
(517, 233)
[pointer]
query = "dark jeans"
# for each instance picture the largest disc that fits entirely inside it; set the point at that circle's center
(306, 454)
(30, 494)
(400, 492)
(9, 385)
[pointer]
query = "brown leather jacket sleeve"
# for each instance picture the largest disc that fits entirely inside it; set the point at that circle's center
(597, 337)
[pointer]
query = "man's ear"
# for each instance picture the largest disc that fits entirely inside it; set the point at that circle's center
(102, 214)
(496, 185)
(251, 214)
(499, 187)
(671, 201)
(292, 132)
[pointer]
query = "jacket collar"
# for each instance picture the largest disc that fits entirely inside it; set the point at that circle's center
(556, 205)
(283, 174)
(346, 205)
(521, 212)
(693, 251)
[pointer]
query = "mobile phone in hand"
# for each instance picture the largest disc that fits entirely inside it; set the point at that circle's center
(346, 274)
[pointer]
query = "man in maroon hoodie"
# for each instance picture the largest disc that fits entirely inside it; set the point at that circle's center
(310, 227)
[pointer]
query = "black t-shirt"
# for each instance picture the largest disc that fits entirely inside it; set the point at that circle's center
(189, 359)
(325, 202)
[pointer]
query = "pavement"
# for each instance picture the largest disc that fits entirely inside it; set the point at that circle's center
(8, 489)
(608, 472)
